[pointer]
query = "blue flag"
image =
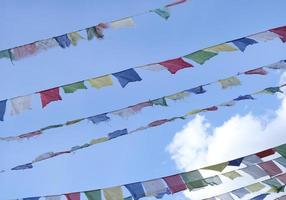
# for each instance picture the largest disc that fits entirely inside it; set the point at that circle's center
(126, 76)
(2, 109)
(243, 43)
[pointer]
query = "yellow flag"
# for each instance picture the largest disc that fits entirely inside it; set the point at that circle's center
(219, 167)
(74, 37)
(114, 193)
(98, 140)
(193, 112)
(221, 48)
(255, 187)
(229, 82)
(100, 82)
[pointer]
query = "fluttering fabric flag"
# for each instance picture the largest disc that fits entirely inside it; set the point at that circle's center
(5, 54)
(162, 12)
(193, 180)
(235, 162)
(99, 140)
(99, 118)
(271, 90)
(30, 134)
(221, 48)
(214, 180)
(254, 171)
(255, 187)
(21, 104)
(265, 153)
(259, 71)
(123, 23)
(74, 87)
(158, 122)
(46, 44)
(278, 65)
(178, 96)
(138, 107)
(160, 101)
(264, 36)
(136, 190)
(212, 108)
(156, 188)
(242, 43)
(114, 193)
(74, 37)
(23, 51)
(281, 161)
(127, 76)
(228, 103)
(73, 196)
(281, 150)
(124, 113)
(270, 168)
(53, 197)
(197, 90)
(225, 196)
(101, 82)
(21, 167)
(201, 56)
(2, 109)
(96, 31)
(175, 183)
(244, 97)
(175, 65)
(218, 167)
(240, 193)
(32, 198)
(281, 31)
(153, 67)
(176, 3)
(63, 41)
(48, 96)
(117, 133)
(232, 175)
(273, 183)
(260, 197)
(282, 178)
(229, 82)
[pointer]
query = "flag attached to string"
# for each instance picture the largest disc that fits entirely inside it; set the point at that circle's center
(281, 31)
(175, 65)
(123, 23)
(136, 190)
(221, 48)
(99, 118)
(5, 54)
(48, 96)
(74, 37)
(197, 90)
(114, 193)
(259, 71)
(127, 76)
(63, 41)
(155, 188)
(74, 87)
(242, 43)
(229, 82)
(243, 97)
(23, 51)
(2, 109)
(162, 12)
(96, 31)
(73, 196)
(264, 36)
(21, 104)
(93, 195)
(201, 56)
(175, 183)
(46, 44)
(101, 82)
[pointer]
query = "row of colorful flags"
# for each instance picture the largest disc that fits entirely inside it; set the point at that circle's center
(126, 112)
(72, 38)
(267, 163)
(22, 103)
(155, 123)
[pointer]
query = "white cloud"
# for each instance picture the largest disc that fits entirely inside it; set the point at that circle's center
(199, 143)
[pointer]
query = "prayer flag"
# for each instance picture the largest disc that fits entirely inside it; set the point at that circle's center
(73, 196)
(63, 41)
(114, 193)
(175, 65)
(117, 133)
(101, 82)
(281, 31)
(270, 168)
(255, 187)
(193, 179)
(229, 82)
(259, 71)
(240, 193)
(231, 175)
(175, 183)
(21, 167)
(220, 48)
(21, 104)
(99, 118)
(161, 102)
(201, 56)
(53, 198)
(235, 162)
(281, 150)
(264, 36)
(23, 51)
(123, 23)
(243, 97)
(225, 196)
(46, 44)
(242, 43)
(136, 190)
(74, 38)
(254, 171)
(74, 87)
(218, 167)
(5, 54)
(162, 12)
(156, 188)
(2, 109)
(50, 95)
(265, 153)
(127, 76)
(197, 90)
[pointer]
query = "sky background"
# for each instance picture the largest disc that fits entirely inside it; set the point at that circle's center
(155, 152)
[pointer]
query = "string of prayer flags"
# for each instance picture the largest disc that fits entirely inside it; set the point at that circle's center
(131, 110)
(127, 76)
(175, 183)
(175, 65)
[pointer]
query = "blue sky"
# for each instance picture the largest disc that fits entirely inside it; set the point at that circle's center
(192, 26)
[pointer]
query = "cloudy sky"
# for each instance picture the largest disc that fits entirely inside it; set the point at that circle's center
(183, 145)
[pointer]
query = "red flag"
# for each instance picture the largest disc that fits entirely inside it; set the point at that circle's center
(50, 95)
(259, 71)
(281, 31)
(176, 3)
(212, 108)
(265, 153)
(270, 168)
(175, 65)
(73, 196)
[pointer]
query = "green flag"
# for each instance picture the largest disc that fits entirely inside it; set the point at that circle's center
(73, 87)
(201, 56)
(160, 102)
(93, 195)
(162, 12)
(281, 150)
(193, 180)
